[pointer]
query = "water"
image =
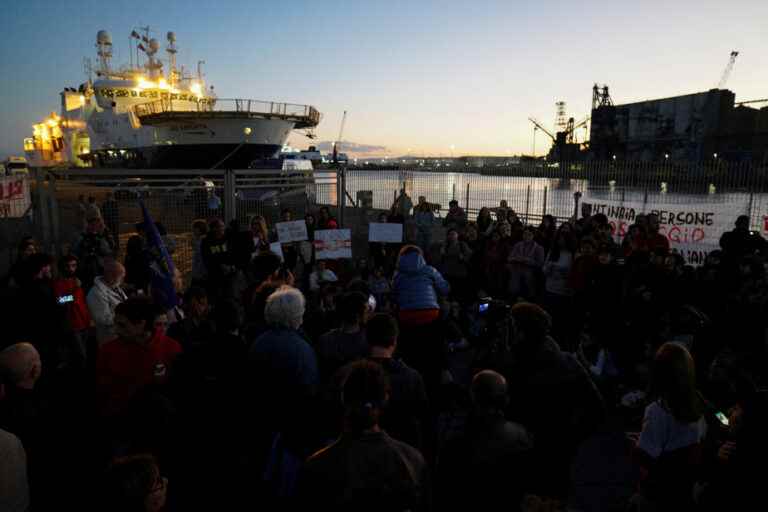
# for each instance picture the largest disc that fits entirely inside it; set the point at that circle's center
(531, 197)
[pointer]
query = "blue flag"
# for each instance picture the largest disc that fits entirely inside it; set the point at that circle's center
(161, 264)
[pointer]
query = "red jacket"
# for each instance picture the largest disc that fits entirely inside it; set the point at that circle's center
(77, 309)
(124, 368)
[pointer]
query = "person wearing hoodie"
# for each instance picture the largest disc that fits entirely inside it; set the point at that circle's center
(104, 297)
(416, 288)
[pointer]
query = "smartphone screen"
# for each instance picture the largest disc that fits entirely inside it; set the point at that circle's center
(483, 307)
(66, 298)
(722, 418)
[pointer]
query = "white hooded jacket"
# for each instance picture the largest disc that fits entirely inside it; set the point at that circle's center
(102, 300)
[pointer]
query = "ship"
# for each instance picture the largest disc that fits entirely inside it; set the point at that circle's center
(147, 115)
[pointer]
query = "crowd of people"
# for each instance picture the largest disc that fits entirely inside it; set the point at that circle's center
(430, 374)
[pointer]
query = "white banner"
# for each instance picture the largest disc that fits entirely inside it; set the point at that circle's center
(293, 231)
(385, 232)
(693, 230)
(14, 196)
(333, 243)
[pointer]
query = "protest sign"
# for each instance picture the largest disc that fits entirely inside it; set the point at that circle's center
(693, 229)
(333, 243)
(14, 197)
(276, 248)
(293, 231)
(385, 232)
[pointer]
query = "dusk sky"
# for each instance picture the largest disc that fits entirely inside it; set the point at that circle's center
(414, 75)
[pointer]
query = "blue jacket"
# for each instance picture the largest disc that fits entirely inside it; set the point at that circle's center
(416, 284)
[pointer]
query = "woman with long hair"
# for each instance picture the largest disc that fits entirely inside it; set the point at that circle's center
(669, 446)
(558, 296)
(484, 221)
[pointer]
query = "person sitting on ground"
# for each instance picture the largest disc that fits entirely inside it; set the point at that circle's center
(138, 358)
(416, 287)
(669, 446)
(405, 415)
(104, 297)
(488, 462)
(484, 222)
(551, 394)
(134, 484)
(365, 469)
(340, 346)
(380, 287)
(320, 276)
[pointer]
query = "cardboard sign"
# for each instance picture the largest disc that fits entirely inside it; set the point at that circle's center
(385, 232)
(293, 231)
(333, 244)
(14, 197)
(276, 248)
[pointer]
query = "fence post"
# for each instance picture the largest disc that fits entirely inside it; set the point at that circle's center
(544, 203)
(527, 201)
(576, 199)
(230, 210)
(454, 191)
(341, 179)
(466, 201)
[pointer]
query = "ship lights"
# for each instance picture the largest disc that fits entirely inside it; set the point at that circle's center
(162, 84)
(196, 88)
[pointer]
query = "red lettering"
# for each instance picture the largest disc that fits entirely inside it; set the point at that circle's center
(674, 234)
(698, 235)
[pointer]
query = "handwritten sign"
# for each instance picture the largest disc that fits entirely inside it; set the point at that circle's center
(276, 248)
(385, 232)
(293, 231)
(333, 244)
(693, 230)
(14, 197)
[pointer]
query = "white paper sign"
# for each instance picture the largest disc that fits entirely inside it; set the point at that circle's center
(14, 197)
(293, 231)
(276, 248)
(385, 232)
(333, 244)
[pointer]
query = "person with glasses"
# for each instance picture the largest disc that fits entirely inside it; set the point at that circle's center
(134, 484)
(71, 297)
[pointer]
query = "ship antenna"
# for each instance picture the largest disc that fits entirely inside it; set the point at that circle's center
(171, 49)
(200, 70)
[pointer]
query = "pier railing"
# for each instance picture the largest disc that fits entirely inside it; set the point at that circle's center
(305, 116)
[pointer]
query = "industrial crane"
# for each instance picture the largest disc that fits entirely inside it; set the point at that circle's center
(540, 127)
(338, 140)
(728, 69)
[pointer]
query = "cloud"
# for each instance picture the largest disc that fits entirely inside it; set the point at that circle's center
(353, 148)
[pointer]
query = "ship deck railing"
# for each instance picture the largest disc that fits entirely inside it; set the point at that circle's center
(304, 116)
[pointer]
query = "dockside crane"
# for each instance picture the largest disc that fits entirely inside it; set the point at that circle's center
(338, 140)
(728, 69)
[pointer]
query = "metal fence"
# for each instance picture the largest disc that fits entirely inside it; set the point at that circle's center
(536, 189)
(176, 198)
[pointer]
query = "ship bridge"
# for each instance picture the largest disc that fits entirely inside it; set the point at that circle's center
(165, 110)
